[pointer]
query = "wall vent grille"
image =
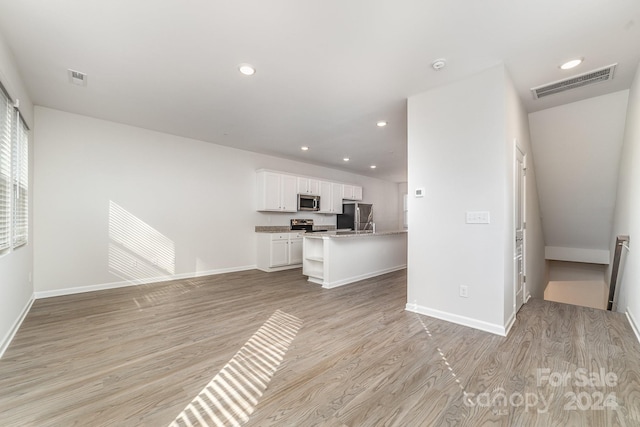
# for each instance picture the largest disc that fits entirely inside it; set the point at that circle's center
(586, 79)
(77, 77)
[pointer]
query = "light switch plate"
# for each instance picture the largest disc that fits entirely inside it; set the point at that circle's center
(478, 217)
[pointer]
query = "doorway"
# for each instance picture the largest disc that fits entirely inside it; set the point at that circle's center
(519, 259)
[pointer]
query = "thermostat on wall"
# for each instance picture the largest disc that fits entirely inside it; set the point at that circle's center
(419, 192)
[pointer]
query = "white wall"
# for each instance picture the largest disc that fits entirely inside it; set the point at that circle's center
(456, 150)
(627, 210)
(144, 195)
(16, 289)
(461, 152)
(577, 149)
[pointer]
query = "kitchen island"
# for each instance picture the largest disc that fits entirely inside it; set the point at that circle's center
(338, 258)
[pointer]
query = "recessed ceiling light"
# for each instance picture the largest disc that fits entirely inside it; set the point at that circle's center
(247, 69)
(571, 64)
(373, 166)
(304, 148)
(439, 64)
(346, 159)
(381, 124)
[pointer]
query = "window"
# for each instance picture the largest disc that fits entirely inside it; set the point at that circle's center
(6, 111)
(20, 182)
(14, 175)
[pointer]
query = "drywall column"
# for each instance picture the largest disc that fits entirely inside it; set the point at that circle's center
(458, 158)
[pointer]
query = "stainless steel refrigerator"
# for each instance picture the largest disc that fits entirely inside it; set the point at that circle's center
(356, 216)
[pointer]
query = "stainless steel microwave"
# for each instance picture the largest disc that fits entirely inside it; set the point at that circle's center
(308, 203)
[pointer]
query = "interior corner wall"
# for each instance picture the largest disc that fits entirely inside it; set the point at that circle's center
(627, 210)
(518, 129)
(16, 289)
(457, 156)
(117, 205)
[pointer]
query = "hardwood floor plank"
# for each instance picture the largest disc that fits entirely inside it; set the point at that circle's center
(137, 356)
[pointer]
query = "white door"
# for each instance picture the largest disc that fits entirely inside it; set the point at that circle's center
(520, 228)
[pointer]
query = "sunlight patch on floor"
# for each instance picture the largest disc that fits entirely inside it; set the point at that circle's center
(232, 395)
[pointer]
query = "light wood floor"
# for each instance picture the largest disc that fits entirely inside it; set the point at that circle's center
(137, 356)
(585, 293)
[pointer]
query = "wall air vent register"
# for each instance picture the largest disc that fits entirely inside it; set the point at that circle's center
(77, 78)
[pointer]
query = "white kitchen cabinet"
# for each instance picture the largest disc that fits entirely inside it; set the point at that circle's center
(348, 191)
(277, 192)
(330, 197)
(352, 192)
(289, 194)
(326, 205)
(279, 251)
(325, 197)
(337, 194)
(357, 193)
(295, 250)
(308, 186)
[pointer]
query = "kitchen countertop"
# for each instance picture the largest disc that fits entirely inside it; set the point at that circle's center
(286, 229)
(351, 234)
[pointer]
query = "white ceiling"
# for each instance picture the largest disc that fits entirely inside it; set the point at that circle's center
(326, 70)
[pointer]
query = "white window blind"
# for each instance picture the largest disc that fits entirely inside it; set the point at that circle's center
(6, 112)
(14, 175)
(20, 182)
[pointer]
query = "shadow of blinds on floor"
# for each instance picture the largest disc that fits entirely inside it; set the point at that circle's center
(232, 395)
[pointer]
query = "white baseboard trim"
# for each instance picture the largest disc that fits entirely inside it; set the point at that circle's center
(510, 322)
(136, 282)
(342, 282)
(460, 320)
(284, 267)
(314, 280)
(634, 325)
(6, 340)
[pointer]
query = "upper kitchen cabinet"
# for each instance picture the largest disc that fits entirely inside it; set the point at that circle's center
(277, 192)
(331, 194)
(352, 192)
(308, 186)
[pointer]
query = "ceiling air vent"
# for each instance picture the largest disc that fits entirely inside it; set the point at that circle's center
(77, 78)
(586, 79)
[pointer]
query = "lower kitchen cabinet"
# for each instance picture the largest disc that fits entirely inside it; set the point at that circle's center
(279, 251)
(295, 250)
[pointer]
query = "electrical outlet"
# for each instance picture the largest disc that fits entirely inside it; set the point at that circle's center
(464, 291)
